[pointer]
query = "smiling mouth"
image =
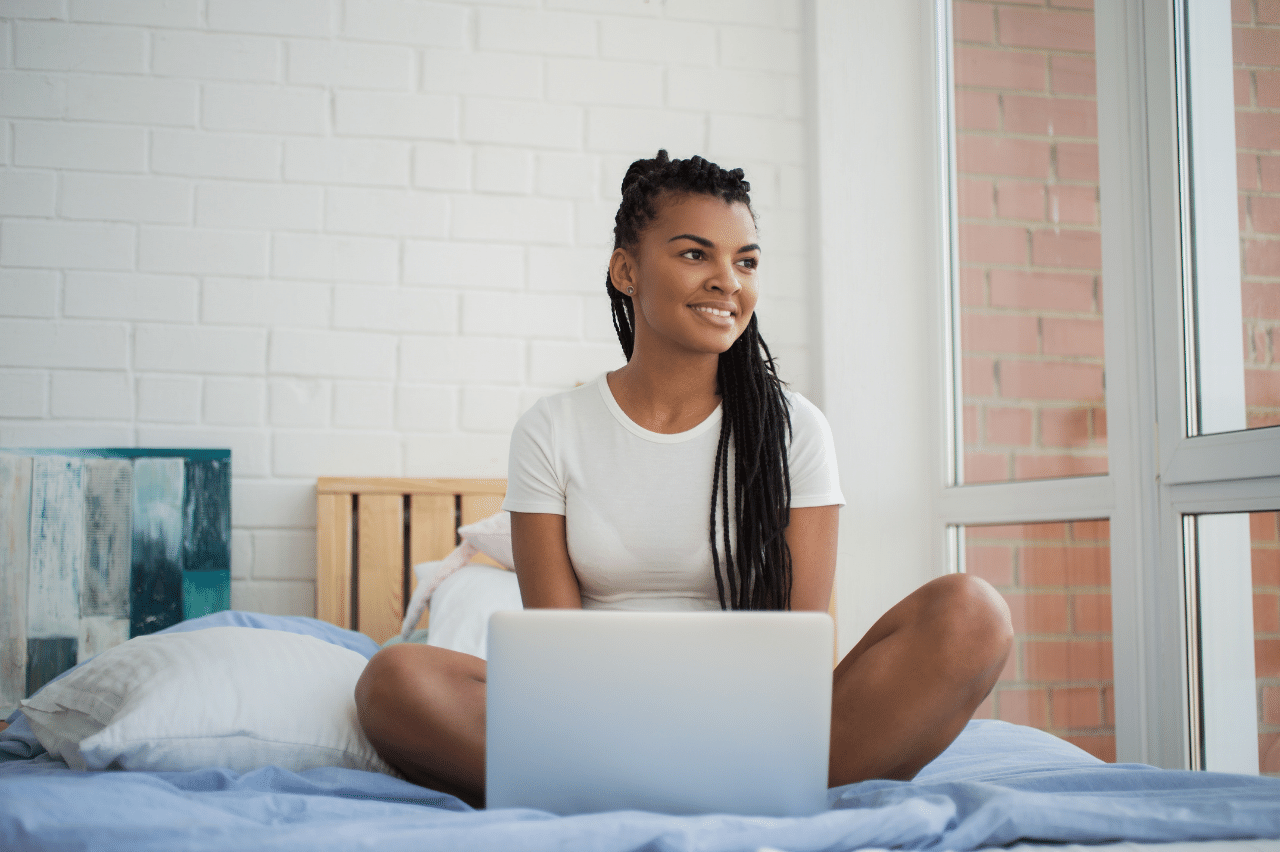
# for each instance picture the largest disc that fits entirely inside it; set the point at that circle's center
(715, 312)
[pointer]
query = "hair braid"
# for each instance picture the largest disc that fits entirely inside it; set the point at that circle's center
(750, 516)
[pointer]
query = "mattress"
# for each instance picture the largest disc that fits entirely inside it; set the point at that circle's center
(997, 786)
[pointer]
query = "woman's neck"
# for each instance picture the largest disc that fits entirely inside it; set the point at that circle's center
(666, 395)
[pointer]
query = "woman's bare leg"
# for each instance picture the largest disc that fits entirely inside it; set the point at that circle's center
(908, 688)
(422, 709)
(898, 698)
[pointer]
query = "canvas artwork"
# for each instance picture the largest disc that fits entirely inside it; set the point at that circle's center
(98, 546)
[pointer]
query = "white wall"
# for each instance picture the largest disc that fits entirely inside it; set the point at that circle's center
(881, 278)
(353, 236)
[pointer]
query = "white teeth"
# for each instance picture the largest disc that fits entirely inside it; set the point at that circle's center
(712, 311)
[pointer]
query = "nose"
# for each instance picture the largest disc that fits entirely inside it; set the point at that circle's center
(725, 280)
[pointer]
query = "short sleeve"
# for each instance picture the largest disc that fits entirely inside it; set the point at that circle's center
(533, 481)
(815, 478)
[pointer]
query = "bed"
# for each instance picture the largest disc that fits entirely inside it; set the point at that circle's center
(998, 785)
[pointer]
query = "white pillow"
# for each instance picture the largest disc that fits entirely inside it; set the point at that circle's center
(492, 537)
(233, 697)
(462, 604)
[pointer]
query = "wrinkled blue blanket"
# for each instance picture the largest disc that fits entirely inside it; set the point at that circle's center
(997, 784)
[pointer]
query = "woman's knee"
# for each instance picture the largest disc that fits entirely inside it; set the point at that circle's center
(971, 614)
(382, 675)
(381, 681)
(411, 674)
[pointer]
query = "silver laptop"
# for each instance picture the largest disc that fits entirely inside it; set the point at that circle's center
(677, 713)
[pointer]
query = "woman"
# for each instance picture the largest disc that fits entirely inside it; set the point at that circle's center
(689, 479)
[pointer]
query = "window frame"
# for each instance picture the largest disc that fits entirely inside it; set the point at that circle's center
(886, 315)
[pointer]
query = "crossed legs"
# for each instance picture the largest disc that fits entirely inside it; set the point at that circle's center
(906, 690)
(422, 709)
(898, 698)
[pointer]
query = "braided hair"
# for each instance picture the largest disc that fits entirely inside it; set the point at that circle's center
(756, 425)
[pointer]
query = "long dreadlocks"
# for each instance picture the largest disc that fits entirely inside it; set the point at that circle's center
(756, 424)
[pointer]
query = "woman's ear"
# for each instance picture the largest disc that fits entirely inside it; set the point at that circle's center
(622, 271)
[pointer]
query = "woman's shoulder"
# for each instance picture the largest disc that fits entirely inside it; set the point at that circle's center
(566, 405)
(804, 414)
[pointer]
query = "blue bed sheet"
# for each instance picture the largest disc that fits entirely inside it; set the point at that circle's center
(996, 785)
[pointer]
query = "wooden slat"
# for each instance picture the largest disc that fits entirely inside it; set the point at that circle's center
(432, 532)
(333, 559)
(380, 545)
(15, 527)
(432, 528)
(477, 507)
(402, 486)
(432, 535)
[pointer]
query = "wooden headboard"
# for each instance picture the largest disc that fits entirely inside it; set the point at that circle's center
(370, 531)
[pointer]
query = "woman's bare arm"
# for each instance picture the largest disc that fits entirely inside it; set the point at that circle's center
(811, 537)
(541, 552)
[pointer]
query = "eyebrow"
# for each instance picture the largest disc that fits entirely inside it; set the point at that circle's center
(706, 243)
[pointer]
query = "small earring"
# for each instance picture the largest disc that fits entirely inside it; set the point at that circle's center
(631, 291)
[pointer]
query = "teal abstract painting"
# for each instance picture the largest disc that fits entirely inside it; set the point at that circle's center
(100, 545)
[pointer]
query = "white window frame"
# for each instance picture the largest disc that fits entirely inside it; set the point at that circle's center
(881, 165)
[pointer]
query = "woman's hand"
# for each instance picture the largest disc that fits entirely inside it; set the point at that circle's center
(811, 537)
(541, 552)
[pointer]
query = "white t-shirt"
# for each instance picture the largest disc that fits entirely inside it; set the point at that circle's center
(637, 504)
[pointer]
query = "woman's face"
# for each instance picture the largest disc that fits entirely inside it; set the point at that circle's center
(694, 274)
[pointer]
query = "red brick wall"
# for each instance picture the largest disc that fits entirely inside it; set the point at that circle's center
(1265, 529)
(1256, 55)
(1029, 249)
(1256, 51)
(1032, 345)
(1057, 581)
(1031, 338)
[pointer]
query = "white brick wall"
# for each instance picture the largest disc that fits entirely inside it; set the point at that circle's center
(129, 296)
(353, 236)
(27, 193)
(124, 198)
(162, 399)
(28, 293)
(91, 395)
(80, 146)
(22, 394)
(142, 100)
(207, 56)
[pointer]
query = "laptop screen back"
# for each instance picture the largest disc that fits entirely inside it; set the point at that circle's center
(676, 713)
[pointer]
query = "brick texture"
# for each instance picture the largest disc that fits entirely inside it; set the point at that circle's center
(1032, 344)
(1264, 531)
(1029, 239)
(354, 236)
(1256, 49)
(1056, 579)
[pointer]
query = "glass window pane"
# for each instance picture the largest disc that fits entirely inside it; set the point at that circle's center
(1056, 578)
(1256, 67)
(1238, 591)
(1029, 248)
(1233, 71)
(1265, 570)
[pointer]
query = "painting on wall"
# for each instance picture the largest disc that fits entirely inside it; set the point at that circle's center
(100, 545)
